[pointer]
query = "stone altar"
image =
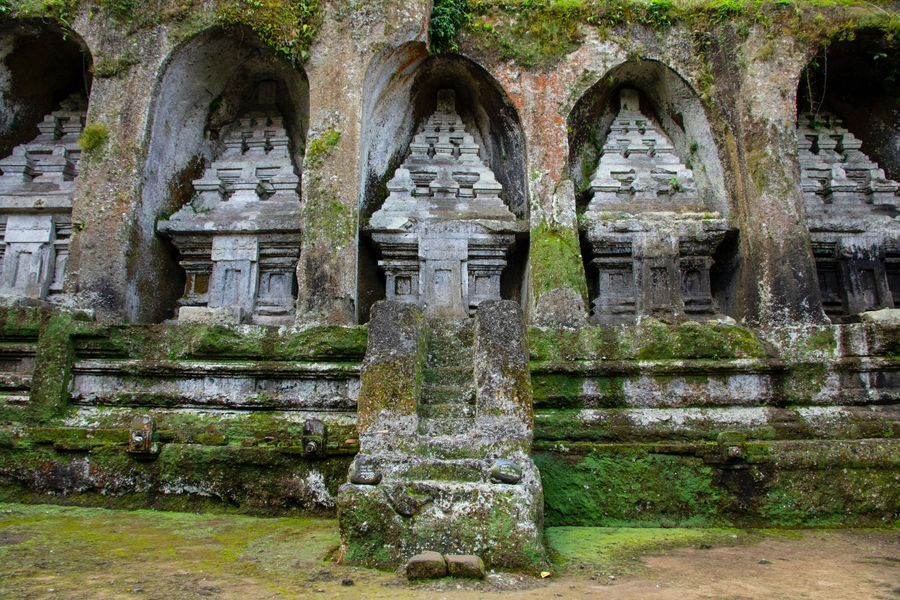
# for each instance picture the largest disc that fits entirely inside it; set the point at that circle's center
(851, 212)
(652, 241)
(36, 188)
(239, 238)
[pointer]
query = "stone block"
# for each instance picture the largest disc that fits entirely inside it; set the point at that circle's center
(224, 315)
(427, 565)
(465, 565)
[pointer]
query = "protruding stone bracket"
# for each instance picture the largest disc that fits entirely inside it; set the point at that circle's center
(142, 439)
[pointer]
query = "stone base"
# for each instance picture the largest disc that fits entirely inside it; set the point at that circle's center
(226, 315)
(385, 525)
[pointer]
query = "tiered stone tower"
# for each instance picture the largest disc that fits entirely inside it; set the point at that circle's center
(36, 189)
(443, 231)
(851, 210)
(650, 241)
(239, 239)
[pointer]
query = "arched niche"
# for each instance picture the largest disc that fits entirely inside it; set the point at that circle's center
(642, 261)
(403, 87)
(206, 84)
(41, 66)
(849, 153)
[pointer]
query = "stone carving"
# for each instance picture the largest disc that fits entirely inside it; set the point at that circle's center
(36, 188)
(239, 238)
(651, 242)
(443, 231)
(851, 212)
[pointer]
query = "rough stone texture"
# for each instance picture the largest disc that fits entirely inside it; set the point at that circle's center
(239, 237)
(427, 565)
(469, 404)
(467, 566)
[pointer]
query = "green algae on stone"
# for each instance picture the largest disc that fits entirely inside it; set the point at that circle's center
(617, 487)
(555, 257)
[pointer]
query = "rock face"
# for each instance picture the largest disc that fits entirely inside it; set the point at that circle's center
(444, 231)
(850, 207)
(651, 243)
(36, 189)
(438, 410)
(239, 239)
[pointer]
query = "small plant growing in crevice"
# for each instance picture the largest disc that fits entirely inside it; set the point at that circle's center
(93, 139)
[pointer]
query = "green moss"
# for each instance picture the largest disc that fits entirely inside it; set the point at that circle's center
(615, 488)
(651, 340)
(617, 549)
(112, 66)
(287, 27)
(539, 33)
(321, 146)
(556, 263)
(93, 139)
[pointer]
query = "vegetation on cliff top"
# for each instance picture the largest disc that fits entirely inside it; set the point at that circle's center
(538, 33)
(289, 28)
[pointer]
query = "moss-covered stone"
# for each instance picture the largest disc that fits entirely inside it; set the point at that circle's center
(556, 263)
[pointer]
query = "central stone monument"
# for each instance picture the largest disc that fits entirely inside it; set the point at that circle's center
(445, 408)
(444, 233)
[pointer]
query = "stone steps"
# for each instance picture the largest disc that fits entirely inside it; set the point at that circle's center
(447, 394)
(445, 410)
(445, 426)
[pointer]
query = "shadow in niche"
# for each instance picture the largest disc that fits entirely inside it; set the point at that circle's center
(405, 89)
(43, 65)
(859, 81)
(206, 85)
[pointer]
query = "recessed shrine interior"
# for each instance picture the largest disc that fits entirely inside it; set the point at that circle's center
(227, 143)
(653, 209)
(434, 101)
(45, 81)
(849, 152)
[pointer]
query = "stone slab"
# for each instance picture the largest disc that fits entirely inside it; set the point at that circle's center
(467, 566)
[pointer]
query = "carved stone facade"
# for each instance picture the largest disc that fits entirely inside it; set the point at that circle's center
(239, 239)
(444, 232)
(651, 242)
(851, 210)
(36, 188)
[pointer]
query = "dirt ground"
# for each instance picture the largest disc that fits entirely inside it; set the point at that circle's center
(65, 552)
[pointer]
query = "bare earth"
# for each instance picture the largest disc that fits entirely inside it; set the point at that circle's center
(62, 552)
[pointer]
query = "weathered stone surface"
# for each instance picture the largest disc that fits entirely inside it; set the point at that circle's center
(465, 565)
(36, 189)
(239, 237)
(652, 242)
(427, 565)
(885, 316)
